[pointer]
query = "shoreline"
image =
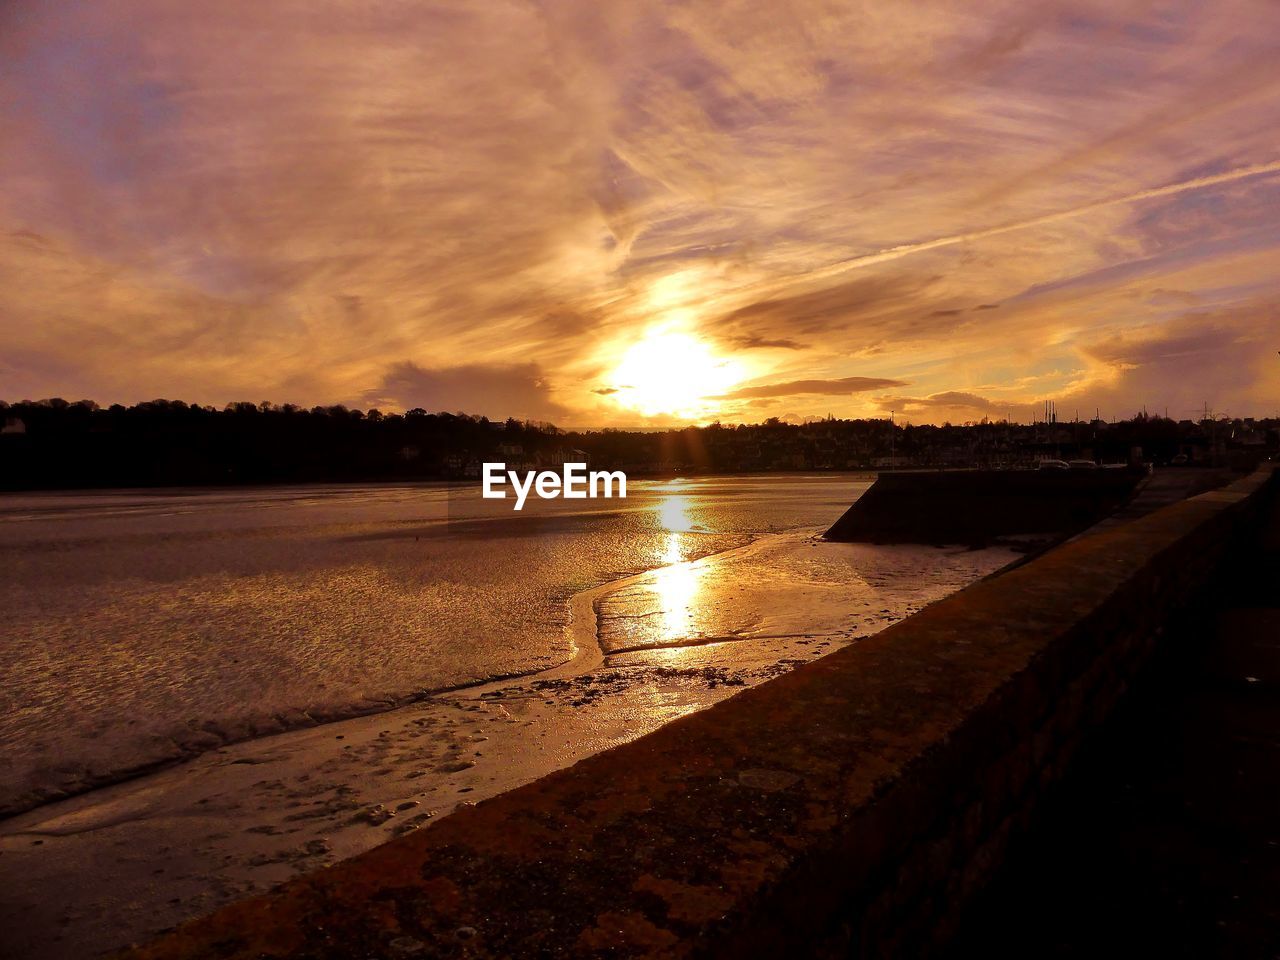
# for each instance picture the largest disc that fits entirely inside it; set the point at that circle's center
(584, 653)
(242, 818)
(578, 637)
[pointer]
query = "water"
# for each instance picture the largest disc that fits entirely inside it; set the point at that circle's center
(141, 627)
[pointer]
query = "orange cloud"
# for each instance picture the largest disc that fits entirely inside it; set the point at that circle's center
(465, 204)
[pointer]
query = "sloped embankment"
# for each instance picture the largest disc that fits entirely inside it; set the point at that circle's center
(973, 506)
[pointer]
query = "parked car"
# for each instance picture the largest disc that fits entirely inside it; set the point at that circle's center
(1053, 465)
(1082, 465)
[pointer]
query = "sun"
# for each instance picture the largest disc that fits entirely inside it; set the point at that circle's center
(673, 372)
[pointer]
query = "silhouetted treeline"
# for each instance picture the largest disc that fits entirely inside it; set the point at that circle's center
(58, 444)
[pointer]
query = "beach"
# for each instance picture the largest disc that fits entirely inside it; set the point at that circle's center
(720, 602)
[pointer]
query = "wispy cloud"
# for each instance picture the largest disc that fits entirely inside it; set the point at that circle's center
(756, 342)
(480, 205)
(491, 390)
(1153, 193)
(948, 400)
(827, 388)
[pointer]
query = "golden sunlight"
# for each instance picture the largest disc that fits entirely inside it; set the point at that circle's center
(677, 584)
(677, 587)
(675, 373)
(673, 514)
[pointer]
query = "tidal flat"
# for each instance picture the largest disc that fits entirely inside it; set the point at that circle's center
(311, 672)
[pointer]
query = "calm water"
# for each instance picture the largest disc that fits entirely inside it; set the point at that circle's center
(140, 627)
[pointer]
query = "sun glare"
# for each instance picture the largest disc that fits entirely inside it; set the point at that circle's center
(673, 373)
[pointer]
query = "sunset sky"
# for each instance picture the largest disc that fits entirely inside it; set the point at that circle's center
(620, 213)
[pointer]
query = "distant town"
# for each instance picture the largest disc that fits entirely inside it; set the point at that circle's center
(58, 444)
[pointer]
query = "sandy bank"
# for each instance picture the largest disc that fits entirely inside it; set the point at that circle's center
(116, 865)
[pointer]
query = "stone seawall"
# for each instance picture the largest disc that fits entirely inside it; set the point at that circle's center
(973, 506)
(849, 808)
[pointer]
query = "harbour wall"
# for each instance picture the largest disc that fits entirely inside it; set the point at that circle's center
(975, 506)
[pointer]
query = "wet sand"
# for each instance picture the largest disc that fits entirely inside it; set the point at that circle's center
(119, 864)
(142, 628)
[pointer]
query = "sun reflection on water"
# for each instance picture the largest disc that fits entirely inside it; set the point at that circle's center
(673, 513)
(677, 585)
